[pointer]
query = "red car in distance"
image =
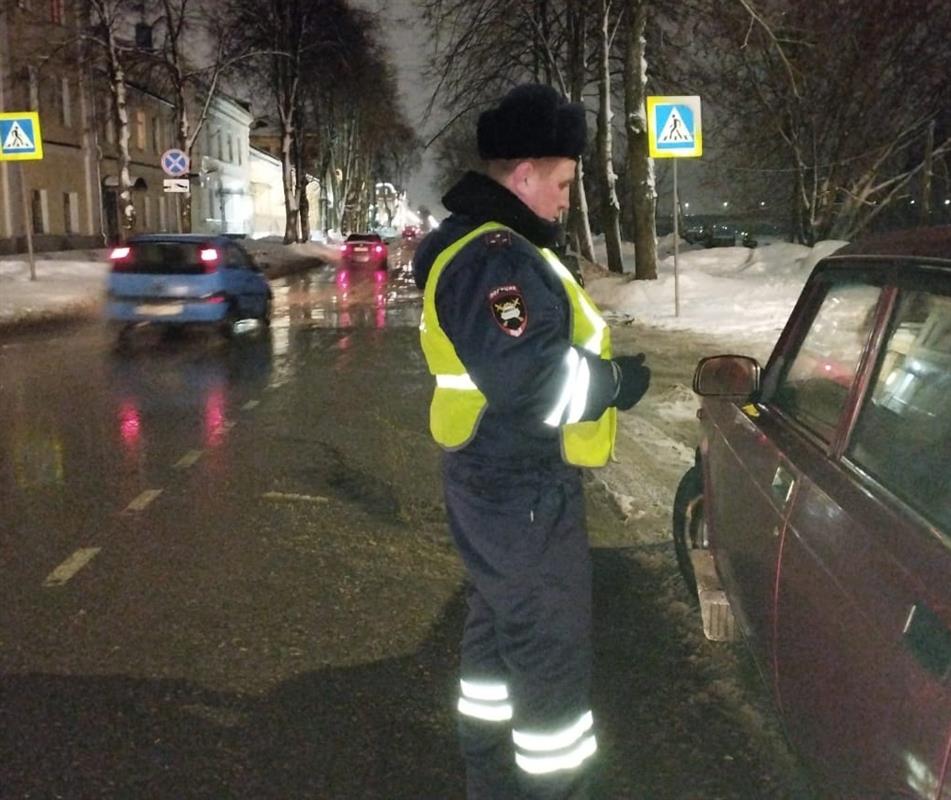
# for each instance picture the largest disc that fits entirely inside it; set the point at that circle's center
(411, 233)
(367, 250)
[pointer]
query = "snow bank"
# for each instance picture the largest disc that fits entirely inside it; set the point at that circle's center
(725, 290)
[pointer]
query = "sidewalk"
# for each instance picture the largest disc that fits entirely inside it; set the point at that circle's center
(70, 284)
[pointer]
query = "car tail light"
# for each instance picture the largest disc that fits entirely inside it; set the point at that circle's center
(344, 248)
(118, 257)
(378, 248)
(209, 257)
(217, 297)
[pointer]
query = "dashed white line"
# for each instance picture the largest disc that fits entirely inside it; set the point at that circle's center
(71, 566)
(189, 459)
(143, 500)
(304, 498)
(250, 404)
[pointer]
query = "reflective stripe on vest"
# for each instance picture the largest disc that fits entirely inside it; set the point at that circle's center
(457, 403)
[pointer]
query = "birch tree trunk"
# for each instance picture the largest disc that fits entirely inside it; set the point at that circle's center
(639, 164)
(578, 221)
(610, 210)
(120, 106)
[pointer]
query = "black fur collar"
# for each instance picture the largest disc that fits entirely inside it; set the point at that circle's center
(482, 199)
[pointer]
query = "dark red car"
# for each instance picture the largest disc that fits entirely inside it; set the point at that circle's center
(364, 250)
(817, 520)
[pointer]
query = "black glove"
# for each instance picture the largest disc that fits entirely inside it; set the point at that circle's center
(632, 377)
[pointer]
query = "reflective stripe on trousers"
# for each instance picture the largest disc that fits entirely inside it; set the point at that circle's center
(540, 753)
(485, 700)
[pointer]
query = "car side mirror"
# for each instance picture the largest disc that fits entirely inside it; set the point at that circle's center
(727, 376)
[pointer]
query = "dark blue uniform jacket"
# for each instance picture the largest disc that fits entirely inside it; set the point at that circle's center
(508, 317)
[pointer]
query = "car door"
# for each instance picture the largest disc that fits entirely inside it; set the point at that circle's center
(862, 645)
(757, 463)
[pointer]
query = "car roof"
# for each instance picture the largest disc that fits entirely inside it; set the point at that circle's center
(180, 238)
(932, 243)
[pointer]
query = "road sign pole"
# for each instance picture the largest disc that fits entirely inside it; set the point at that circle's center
(27, 222)
(676, 244)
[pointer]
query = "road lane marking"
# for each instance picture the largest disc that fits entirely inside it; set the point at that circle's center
(227, 425)
(189, 459)
(301, 498)
(71, 566)
(143, 500)
(250, 404)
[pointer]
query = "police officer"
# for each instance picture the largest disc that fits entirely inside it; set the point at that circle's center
(526, 393)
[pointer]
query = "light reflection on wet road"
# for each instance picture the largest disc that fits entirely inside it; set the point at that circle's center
(85, 426)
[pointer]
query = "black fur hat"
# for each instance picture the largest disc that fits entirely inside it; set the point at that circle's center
(532, 121)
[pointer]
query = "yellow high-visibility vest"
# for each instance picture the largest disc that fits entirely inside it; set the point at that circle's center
(458, 405)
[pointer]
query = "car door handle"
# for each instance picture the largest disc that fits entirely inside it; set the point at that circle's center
(928, 639)
(782, 485)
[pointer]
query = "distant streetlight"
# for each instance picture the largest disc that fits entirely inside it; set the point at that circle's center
(947, 202)
(687, 206)
(762, 203)
(726, 203)
(912, 202)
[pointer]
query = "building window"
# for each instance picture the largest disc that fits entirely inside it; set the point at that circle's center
(41, 211)
(140, 130)
(65, 107)
(230, 149)
(156, 131)
(240, 152)
(70, 212)
(218, 151)
(148, 212)
(56, 11)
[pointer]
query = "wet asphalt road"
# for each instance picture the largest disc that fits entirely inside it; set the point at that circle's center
(224, 573)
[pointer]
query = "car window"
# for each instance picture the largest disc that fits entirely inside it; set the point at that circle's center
(164, 258)
(816, 384)
(903, 434)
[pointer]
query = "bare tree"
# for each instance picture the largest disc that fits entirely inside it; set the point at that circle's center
(106, 18)
(837, 101)
(640, 168)
(610, 208)
(193, 85)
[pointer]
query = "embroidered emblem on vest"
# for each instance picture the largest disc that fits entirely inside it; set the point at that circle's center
(508, 308)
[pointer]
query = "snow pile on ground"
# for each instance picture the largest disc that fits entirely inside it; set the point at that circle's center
(68, 282)
(725, 290)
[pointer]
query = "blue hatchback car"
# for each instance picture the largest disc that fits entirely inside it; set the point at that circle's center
(185, 279)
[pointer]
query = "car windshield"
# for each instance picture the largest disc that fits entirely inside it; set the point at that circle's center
(179, 258)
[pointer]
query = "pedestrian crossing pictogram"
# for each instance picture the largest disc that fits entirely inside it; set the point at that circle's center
(20, 138)
(675, 130)
(17, 139)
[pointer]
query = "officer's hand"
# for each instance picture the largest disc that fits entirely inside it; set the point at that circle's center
(633, 377)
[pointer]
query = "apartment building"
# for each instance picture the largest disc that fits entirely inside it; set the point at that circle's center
(72, 193)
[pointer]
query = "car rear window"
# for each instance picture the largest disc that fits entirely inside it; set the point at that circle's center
(364, 237)
(165, 258)
(903, 435)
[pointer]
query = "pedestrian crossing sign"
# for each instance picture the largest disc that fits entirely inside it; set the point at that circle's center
(673, 127)
(20, 138)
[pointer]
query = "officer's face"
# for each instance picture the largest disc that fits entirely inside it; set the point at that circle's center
(547, 186)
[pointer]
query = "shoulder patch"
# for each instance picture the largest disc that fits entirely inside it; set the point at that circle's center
(498, 239)
(508, 309)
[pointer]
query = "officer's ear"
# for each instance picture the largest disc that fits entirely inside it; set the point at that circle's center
(522, 180)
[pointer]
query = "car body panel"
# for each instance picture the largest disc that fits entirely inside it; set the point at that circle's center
(844, 587)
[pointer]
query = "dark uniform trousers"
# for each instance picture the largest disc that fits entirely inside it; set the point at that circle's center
(522, 536)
